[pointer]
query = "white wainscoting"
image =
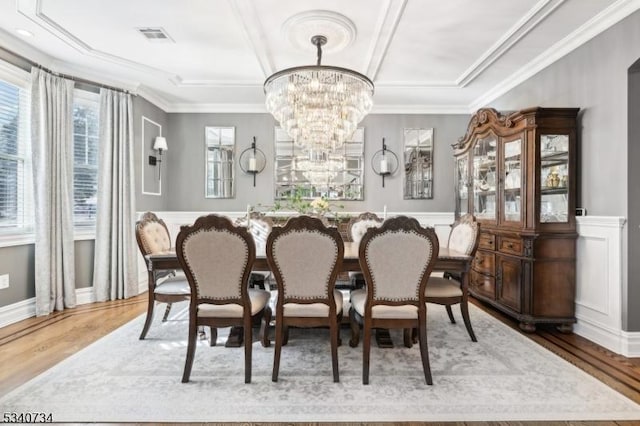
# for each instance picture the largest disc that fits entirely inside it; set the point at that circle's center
(599, 276)
(599, 285)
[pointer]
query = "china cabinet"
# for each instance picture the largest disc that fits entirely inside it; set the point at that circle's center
(516, 173)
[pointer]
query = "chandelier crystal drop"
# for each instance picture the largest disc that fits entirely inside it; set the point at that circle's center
(319, 167)
(319, 106)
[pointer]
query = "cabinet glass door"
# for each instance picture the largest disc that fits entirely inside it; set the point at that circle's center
(462, 184)
(484, 178)
(554, 178)
(512, 178)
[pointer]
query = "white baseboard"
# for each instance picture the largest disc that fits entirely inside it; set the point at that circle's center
(85, 295)
(24, 309)
(17, 311)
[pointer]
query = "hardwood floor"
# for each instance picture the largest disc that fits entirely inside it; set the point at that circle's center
(34, 345)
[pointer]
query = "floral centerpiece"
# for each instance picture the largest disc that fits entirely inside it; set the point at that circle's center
(296, 201)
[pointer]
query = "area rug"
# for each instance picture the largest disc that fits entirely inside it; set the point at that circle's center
(504, 376)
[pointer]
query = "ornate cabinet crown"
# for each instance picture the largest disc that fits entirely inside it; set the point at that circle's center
(516, 173)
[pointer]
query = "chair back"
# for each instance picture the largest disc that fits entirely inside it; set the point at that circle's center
(396, 260)
(305, 256)
(217, 258)
(359, 225)
(465, 235)
(152, 235)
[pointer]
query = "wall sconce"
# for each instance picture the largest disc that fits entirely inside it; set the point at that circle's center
(159, 144)
(384, 162)
(252, 160)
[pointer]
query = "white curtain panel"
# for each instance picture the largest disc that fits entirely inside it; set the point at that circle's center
(115, 269)
(52, 146)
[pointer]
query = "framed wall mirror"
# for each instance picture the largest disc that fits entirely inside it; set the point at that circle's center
(219, 162)
(418, 164)
(334, 175)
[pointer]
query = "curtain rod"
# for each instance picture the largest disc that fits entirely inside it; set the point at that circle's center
(26, 64)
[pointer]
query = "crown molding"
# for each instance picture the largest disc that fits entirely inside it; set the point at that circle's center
(217, 108)
(419, 109)
(385, 29)
(596, 25)
(180, 82)
(527, 23)
(247, 16)
(33, 10)
(260, 108)
(154, 98)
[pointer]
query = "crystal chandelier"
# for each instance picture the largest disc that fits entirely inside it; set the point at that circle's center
(319, 106)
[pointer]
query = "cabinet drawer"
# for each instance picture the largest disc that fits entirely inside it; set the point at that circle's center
(510, 245)
(482, 285)
(487, 241)
(484, 262)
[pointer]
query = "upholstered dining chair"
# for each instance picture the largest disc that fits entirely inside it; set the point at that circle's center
(396, 260)
(166, 286)
(217, 257)
(449, 289)
(357, 227)
(305, 257)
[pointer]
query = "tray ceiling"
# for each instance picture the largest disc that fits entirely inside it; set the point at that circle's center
(423, 55)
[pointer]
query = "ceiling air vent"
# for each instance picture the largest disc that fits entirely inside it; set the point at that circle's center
(156, 35)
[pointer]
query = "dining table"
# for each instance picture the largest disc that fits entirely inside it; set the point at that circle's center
(448, 260)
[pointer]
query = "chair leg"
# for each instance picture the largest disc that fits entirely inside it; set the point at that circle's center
(149, 319)
(450, 313)
(276, 354)
(424, 351)
(213, 332)
(264, 331)
(408, 337)
(334, 330)
(285, 335)
(355, 328)
(191, 350)
(366, 349)
(166, 312)
(464, 308)
(248, 340)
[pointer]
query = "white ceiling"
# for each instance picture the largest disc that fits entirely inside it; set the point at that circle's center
(424, 56)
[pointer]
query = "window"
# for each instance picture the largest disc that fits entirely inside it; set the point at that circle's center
(16, 194)
(86, 110)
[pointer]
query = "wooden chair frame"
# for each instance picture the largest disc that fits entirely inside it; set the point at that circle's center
(463, 300)
(154, 276)
(399, 223)
(218, 223)
(305, 223)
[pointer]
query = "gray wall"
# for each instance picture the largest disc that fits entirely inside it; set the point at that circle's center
(594, 78)
(144, 108)
(186, 165)
(19, 263)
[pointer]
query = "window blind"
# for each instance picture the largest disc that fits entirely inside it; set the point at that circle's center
(16, 194)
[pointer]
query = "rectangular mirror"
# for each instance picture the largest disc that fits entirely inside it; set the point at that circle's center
(335, 176)
(418, 164)
(219, 162)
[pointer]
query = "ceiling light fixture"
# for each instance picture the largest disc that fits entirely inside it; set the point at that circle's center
(319, 106)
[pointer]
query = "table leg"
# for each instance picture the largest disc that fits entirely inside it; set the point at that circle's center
(235, 337)
(383, 338)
